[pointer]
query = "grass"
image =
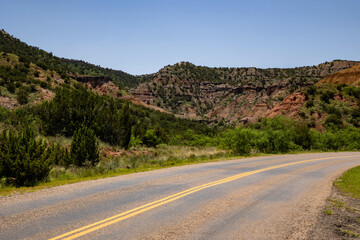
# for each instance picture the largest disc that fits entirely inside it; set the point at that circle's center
(349, 182)
(163, 157)
(350, 233)
(142, 159)
(336, 202)
(328, 211)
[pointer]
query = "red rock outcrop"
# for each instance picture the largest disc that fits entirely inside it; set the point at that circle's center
(289, 106)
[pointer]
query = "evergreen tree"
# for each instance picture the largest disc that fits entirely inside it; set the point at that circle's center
(84, 147)
(126, 124)
(24, 160)
(22, 96)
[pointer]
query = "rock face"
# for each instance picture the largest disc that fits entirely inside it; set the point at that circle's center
(105, 86)
(289, 107)
(228, 94)
(100, 84)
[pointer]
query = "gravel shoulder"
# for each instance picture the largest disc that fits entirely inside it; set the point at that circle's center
(340, 218)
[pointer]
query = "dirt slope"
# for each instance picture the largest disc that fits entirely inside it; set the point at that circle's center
(349, 76)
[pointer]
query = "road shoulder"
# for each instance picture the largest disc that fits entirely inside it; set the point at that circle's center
(340, 218)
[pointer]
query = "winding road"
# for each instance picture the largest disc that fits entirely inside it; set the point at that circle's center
(273, 197)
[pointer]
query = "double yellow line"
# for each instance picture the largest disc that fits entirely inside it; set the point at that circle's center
(133, 212)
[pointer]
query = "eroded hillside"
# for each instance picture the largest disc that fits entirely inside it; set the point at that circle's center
(349, 76)
(228, 94)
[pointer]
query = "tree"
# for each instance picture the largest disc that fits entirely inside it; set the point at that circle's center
(84, 147)
(24, 160)
(302, 136)
(126, 124)
(22, 96)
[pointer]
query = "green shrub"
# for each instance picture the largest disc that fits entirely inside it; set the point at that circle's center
(238, 140)
(274, 141)
(309, 103)
(24, 160)
(11, 87)
(22, 95)
(84, 147)
(310, 91)
(135, 141)
(150, 138)
(60, 155)
(333, 121)
(355, 117)
(352, 136)
(331, 140)
(302, 136)
(326, 96)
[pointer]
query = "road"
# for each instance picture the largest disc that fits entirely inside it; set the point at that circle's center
(274, 197)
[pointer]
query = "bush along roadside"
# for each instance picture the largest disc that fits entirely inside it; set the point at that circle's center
(283, 135)
(26, 160)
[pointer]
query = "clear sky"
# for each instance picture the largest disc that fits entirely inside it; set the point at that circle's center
(142, 36)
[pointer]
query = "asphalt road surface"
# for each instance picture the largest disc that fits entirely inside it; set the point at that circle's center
(275, 197)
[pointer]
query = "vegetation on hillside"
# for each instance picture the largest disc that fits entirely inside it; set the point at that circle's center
(65, 67)
(191, 72)
(225, 93)
(331, 106)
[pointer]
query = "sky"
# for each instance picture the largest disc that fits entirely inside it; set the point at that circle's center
(142, 36)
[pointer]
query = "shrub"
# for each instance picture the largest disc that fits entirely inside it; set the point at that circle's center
(150, 138)
(11, 87)
(352, 136)
(134, 141)
(302, 136)
(330, 140)
(24, 160)
(326, 96)
(274, 141)
(60, 156)
(309, 103)
(355, 117)
(310, 91)
(84, 147)
(238, 140)
(333, 121)
(22, 95)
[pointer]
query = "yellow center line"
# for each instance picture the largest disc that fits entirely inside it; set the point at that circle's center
(133, 212)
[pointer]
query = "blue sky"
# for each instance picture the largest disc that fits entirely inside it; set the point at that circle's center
(142, 36)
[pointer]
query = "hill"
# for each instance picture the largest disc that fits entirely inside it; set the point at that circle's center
(63, 66)
(223, 95)
(228, 94)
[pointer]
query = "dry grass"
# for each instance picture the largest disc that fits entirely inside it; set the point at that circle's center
(137, 160)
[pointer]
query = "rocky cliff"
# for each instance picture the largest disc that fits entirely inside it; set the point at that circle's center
(228, 94)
